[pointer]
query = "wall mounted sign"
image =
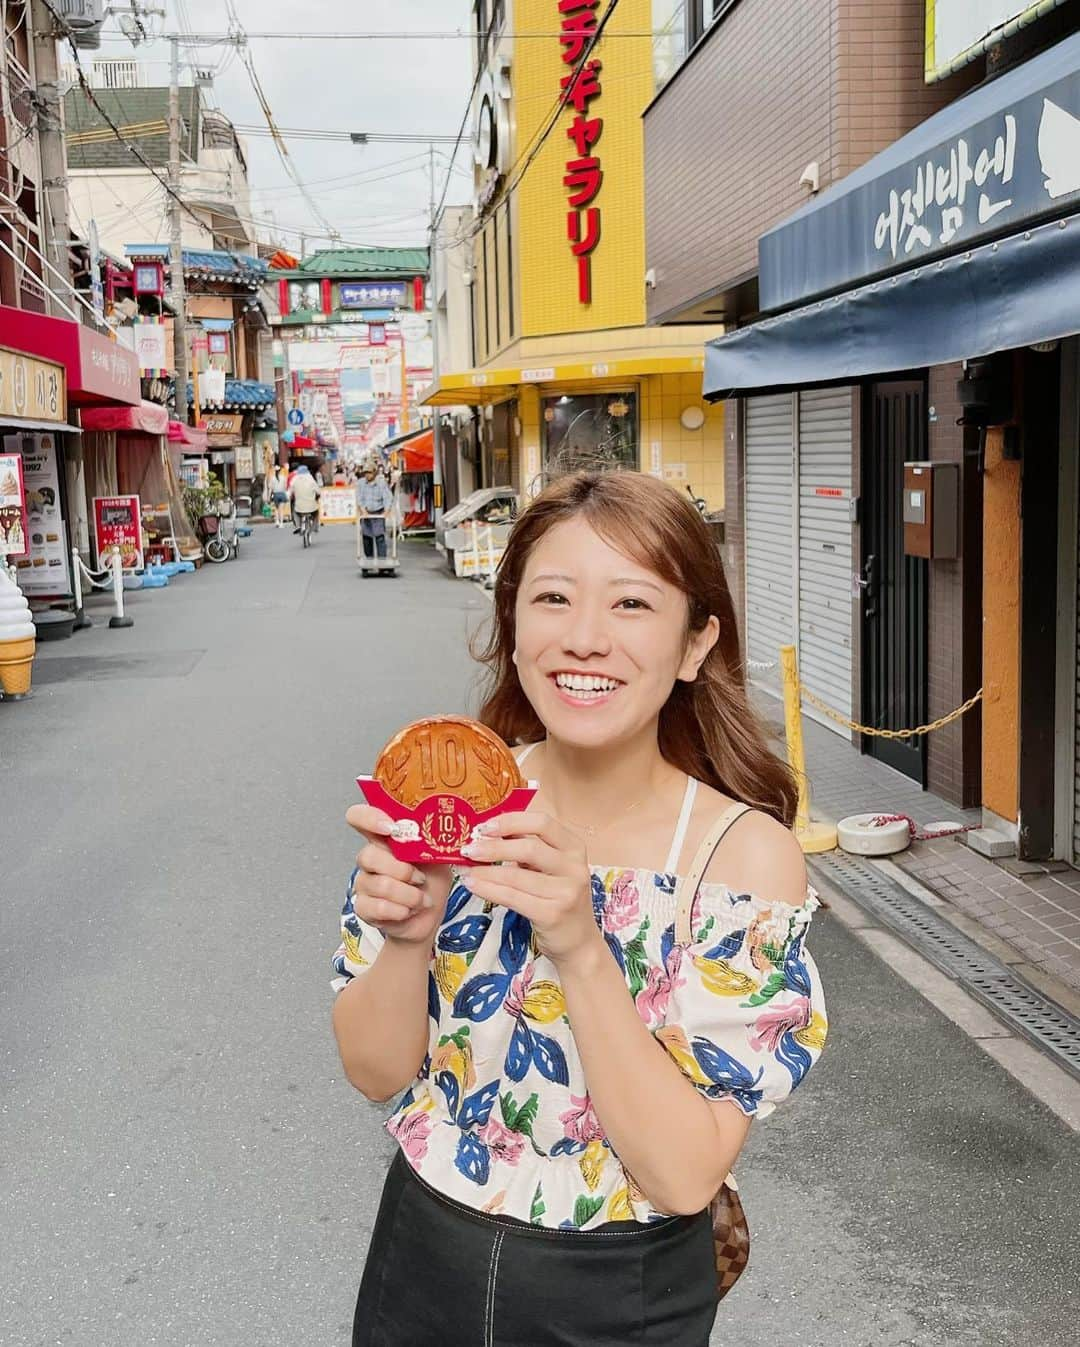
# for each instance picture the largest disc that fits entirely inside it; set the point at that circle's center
(372, 294)
(32, 388)
(959, 31)
(584, 175)
(148, 278)
(1002, 156)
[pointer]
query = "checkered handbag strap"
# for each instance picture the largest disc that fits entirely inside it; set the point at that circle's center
(692, 881)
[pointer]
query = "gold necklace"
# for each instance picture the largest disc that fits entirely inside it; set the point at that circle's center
(591, 829)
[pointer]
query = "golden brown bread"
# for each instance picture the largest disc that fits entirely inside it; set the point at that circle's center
(451, 754)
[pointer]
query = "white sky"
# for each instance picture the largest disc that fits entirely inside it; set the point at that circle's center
(417, 85)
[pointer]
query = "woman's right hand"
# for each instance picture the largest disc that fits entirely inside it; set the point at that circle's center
(405, 902)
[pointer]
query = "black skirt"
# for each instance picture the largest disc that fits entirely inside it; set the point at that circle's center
(439, 1274)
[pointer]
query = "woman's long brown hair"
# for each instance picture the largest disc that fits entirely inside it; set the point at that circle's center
(707, 728)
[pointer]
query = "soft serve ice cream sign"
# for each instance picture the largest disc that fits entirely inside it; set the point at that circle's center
(17, 640)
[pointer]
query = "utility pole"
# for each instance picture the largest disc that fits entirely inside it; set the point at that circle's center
(176, 245)
(436, 419)
(50, 136)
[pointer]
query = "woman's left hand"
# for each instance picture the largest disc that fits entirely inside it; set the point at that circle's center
(533, 864)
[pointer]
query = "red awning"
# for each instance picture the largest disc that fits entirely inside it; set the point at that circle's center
(417, 453)
(148, 418)
(193, 441)
(98, 368)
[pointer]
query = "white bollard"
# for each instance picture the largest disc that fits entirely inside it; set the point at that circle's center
(118, 619)
(81, 620)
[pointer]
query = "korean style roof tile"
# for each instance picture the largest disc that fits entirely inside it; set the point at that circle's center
(199, 262)
(363, 262)
(243, 394)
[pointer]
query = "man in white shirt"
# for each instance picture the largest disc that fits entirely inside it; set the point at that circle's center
(304, 495)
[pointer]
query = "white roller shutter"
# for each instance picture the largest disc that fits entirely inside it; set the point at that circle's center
(770, 532)
(825, 563)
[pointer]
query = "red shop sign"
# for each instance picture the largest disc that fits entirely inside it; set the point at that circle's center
(584, 174)
(118, 523)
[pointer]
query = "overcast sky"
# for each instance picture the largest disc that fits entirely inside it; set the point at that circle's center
(388, 85)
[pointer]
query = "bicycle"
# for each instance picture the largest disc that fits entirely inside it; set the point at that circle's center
(307, 523)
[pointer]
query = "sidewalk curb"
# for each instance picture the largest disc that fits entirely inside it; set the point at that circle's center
(1048, 1082)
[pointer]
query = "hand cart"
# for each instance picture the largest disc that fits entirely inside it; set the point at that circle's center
(376, 565)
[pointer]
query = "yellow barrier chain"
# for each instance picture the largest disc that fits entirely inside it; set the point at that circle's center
(856, 728)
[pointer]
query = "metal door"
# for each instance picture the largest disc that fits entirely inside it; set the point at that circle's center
(894, 599)
(770, 533)
(825, 603)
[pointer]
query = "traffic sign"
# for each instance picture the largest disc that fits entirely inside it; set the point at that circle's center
(295, 417)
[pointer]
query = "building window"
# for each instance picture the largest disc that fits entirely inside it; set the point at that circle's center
(496, 248)
(669, 38)
(510, 321)
(702, 14)
(487, 292)
(592, 432)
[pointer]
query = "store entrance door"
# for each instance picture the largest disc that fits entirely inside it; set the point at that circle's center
(894, 608)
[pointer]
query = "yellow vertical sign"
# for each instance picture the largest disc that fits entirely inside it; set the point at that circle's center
(607, 225)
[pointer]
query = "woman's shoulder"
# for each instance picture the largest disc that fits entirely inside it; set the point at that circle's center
(758, 854)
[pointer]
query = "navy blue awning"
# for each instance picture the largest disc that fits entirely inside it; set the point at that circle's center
(995, 162)
(1007, 294)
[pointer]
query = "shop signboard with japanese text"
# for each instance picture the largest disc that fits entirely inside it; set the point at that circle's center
(117, 523)
(45, 569)
(996, 174)
(580, 259)
(12, 507)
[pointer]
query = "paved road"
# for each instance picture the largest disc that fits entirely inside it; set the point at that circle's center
(180, 1161)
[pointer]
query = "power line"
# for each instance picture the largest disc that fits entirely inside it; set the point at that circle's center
(457, 145)
(530, 152)
(307, 35)
(356, 137)
(242, 260)
(279, 144)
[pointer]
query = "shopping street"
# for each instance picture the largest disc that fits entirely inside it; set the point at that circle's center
(179, 1139)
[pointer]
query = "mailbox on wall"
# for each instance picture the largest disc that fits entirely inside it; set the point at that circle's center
(932, 510)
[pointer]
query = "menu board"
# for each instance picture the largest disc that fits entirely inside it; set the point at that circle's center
(12, 506)
(117, 523)
(337, 505)
(46, 567)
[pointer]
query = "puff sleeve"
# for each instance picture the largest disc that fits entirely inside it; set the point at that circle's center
(360, 943)
(745, 1018)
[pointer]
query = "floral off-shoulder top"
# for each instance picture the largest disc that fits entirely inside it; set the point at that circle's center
(500, 1118)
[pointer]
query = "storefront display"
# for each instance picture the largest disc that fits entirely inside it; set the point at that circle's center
(596, 432)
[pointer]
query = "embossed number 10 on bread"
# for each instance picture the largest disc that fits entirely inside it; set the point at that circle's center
(439, 778)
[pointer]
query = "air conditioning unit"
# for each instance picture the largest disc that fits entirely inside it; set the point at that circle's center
(81, 13)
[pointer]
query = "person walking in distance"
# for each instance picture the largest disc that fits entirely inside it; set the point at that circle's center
(375, 500)
(277, 494)
(588, 1016)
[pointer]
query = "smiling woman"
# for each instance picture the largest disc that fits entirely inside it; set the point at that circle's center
(584, 1045)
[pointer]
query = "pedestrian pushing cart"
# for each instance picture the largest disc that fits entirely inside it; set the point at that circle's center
(377, 536)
